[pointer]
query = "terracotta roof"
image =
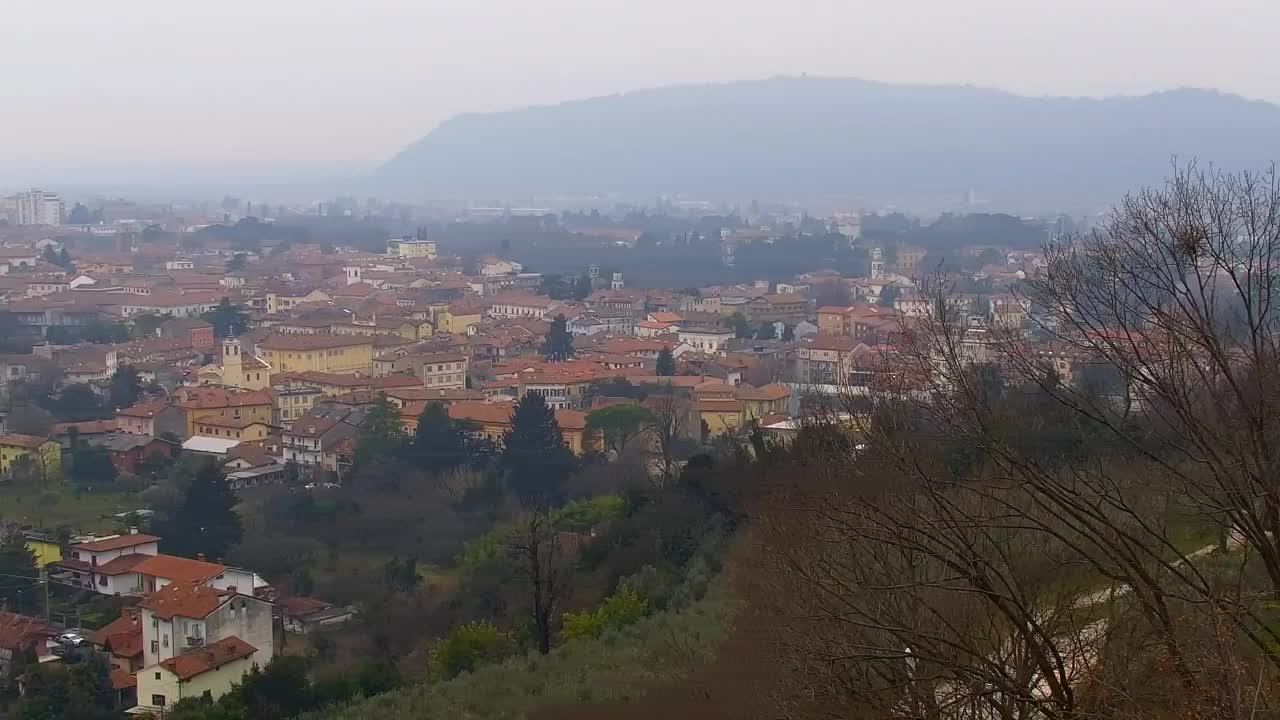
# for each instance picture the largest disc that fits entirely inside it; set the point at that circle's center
(313, 342)
(773, 391)
(179, 569)
(86, 427)
(500, 414)
(729, 406)
(121, 680)
(17, 631)
(127, 622)
(210, 657)
(20, 440)
(118, 542)
(121, 565)
(203, 398)
(302, 605)
(186, 599)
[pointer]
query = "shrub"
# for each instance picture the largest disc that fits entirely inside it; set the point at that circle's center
(467, 647)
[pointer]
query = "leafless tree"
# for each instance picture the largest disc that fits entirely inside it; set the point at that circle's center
(542, 562)
(672, 423)
(1017, 542)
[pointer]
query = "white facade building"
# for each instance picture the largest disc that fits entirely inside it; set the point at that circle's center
(35, 207)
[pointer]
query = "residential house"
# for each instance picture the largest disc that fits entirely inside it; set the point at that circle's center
(708, 339)
(43, 454)
(600, 323)
(177, 303)
(121, 641)
(305, 615)
(193, 330)
(434, 370)
(199, 641)
(44, 546)
(21, 636)
(152, 418)
(128, 450)
(763, 401)
(313, 441)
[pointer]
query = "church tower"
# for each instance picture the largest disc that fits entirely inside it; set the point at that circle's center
(232, 363)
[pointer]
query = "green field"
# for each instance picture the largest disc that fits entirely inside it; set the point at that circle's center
(58, 504)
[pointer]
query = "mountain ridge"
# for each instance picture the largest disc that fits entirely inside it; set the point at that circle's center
(796, 135)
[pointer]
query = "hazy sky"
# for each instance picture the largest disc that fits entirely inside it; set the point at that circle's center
(125, 87)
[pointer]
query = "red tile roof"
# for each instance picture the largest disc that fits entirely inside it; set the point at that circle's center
(119, 542)
(210, 657)
(179, 569)
(121, 680)
(186, 599)
(312, 342)
(20, 440)
(121, 565)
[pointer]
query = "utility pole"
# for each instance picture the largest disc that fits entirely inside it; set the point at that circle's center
(44, 578)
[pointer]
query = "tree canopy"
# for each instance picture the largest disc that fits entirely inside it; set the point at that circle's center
(559, 343)
(666, 363)
(205, 521)
(619, 424)
(381, 434)
(227, 320)
(535, 457)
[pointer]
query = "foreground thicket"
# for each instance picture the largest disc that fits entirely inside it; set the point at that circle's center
(1009, 539)
(620, 664)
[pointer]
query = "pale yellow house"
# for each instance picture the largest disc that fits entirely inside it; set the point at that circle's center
(322, 353)
(459, 319)
(44, 454)
(209, 671)
(284, 301)
(45, 549)
(210, 404)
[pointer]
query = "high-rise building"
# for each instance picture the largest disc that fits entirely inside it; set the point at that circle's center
(36, 207)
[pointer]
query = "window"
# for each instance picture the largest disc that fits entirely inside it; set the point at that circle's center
(165, 640)
(157, 676)
(157, 700)
(155, 649)
(102, 579)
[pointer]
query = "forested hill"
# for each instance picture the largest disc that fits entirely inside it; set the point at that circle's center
(836, 135)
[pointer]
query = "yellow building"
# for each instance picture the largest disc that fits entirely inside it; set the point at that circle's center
(283, 301)
(410, 248)
(208, 671)
(321, 353)
(210, 404)
(44, 454)
(459, 320)
(45, 549)
(233, 429)
(236, 369)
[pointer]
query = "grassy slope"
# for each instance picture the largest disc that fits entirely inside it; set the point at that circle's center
(619, 666)
(59, 504)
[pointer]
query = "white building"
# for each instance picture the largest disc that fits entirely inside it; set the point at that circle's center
(707, 339)
(35, 207)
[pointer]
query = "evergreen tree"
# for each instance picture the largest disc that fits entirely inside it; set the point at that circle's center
(559, 343)
(228, 320)
(205, 521)
(741, 328)
(888, 296)
(535, 457)
(64, 259)
(788, 333)
(381, 434)
(582, 287)
(92, 467)
(666, 363)
(440, 442)
(126, 387)
(767, 331)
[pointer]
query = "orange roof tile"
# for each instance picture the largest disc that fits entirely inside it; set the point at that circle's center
(179, 569)
(186, 599)
(118, 542)
(20, 440)
(210, 657)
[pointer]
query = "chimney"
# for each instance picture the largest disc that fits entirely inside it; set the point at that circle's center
(200, 557)
(231, 589)
(133, 530)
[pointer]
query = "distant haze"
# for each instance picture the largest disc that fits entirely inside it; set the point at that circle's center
(136, 89)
